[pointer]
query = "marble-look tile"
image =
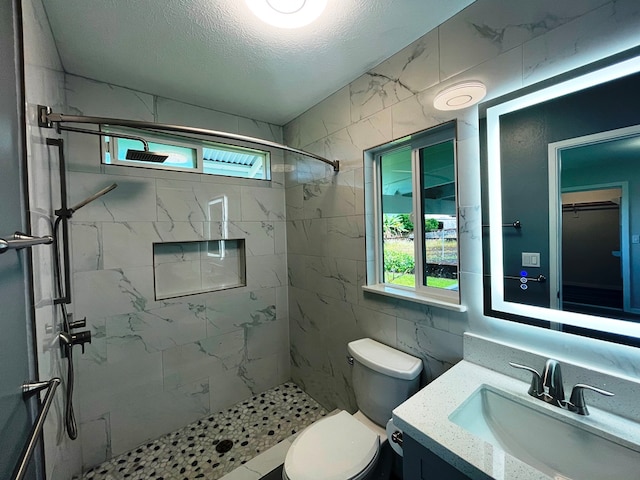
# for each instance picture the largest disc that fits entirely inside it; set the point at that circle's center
(258, 129)
(333, 196)
(39, 45)
(179, 201)
(306, 237)
(266, 271)
(178, 113)
(239, 310)
(262, 204)
(148, 416)
(86, 246)
(470, 239)
(207, 357)
(345, 237)
(133, 200)
(602, 32)
(294, 202)
(486, 29)
(155, 330)
(332, 277)
(406, 73)
(376, 325)
(438, 349)
(106, 293)
(328, 116)
(93, 98)
(106, 387)
(259, 236)
(96, 441)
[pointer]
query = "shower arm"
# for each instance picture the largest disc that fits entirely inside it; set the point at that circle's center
(103, 134)
(47, 119)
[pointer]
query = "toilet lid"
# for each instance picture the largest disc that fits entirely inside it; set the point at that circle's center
(335, 448)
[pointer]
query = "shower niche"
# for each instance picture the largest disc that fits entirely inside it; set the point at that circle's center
(189, 268)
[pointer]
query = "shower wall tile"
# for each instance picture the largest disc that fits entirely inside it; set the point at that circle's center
(178, 113)
(328, 116)
(258, 129)
(104, 386)
(262, 204)
(154, 330)
(99, 99)
(330, 196)
(148, 416)
(335, 278)
(196, 361)
(181, 201)
(239, 310)
(96, 441)
(266, 271)
(134, 199)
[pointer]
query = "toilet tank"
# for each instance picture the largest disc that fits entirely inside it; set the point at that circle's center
(382, 377)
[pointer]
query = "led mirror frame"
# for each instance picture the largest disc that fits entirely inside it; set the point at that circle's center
(493, 113)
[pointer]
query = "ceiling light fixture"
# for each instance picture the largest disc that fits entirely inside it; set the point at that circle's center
(460, 95)
(287, 13)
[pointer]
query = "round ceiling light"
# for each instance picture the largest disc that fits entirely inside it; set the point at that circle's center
(287, 13)
(460, 95)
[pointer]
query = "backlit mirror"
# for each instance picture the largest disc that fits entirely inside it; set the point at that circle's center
(561, 202)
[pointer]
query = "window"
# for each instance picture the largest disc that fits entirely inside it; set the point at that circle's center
(187, 155)
(413, 214)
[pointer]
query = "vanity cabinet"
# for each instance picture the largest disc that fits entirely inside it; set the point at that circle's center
(420, 463)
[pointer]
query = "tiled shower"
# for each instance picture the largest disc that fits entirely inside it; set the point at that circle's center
(155, 366)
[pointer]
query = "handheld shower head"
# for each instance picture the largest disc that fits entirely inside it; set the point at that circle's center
(146, 156)
(68, 212)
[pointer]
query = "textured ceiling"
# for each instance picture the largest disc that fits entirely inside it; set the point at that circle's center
(217, 54)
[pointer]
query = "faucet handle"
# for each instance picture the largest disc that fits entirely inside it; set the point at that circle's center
(577, 404)
(535, 389)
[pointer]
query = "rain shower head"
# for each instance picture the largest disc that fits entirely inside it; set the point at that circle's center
(146, 156)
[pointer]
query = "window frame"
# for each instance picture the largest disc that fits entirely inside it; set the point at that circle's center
(421, 293)
(110, 146)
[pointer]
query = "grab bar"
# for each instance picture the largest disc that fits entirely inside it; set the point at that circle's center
(29, 389)
(20, 240)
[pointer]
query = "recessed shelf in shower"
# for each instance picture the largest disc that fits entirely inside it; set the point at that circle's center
(189, 268)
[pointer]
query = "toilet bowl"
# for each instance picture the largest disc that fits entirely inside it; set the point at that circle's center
(347, 447)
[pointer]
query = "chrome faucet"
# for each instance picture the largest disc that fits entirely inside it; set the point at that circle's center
(549, 388)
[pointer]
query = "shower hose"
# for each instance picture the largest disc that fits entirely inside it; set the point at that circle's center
(69, 415)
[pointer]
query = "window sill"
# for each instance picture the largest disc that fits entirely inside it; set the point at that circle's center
(414, 297)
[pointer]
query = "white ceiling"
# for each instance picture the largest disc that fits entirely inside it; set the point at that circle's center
(217, 54)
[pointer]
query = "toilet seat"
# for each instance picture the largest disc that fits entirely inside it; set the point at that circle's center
(338, 447)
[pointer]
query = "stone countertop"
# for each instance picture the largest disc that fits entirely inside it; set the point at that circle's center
(425, 417)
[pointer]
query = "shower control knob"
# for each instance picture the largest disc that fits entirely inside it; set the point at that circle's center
(81, 338)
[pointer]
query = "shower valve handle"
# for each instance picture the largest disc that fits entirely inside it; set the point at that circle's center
(82, 323)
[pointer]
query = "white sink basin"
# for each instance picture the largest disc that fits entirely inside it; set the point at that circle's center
(551, 442)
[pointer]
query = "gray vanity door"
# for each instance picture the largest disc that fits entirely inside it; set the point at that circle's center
(15, 417)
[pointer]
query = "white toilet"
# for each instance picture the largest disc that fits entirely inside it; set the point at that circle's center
(347, 447)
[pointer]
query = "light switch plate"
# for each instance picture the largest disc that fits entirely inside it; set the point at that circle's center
(530, 259)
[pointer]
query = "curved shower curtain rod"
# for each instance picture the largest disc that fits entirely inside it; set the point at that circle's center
(47, 119)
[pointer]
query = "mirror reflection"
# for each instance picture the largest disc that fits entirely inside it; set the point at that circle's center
(563, 159)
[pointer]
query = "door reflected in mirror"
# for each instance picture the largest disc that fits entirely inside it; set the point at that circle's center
(590, 218)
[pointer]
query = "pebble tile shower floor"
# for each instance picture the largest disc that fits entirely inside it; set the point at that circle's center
(198, 450)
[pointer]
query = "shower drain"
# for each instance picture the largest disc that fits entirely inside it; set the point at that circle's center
(224, 446)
